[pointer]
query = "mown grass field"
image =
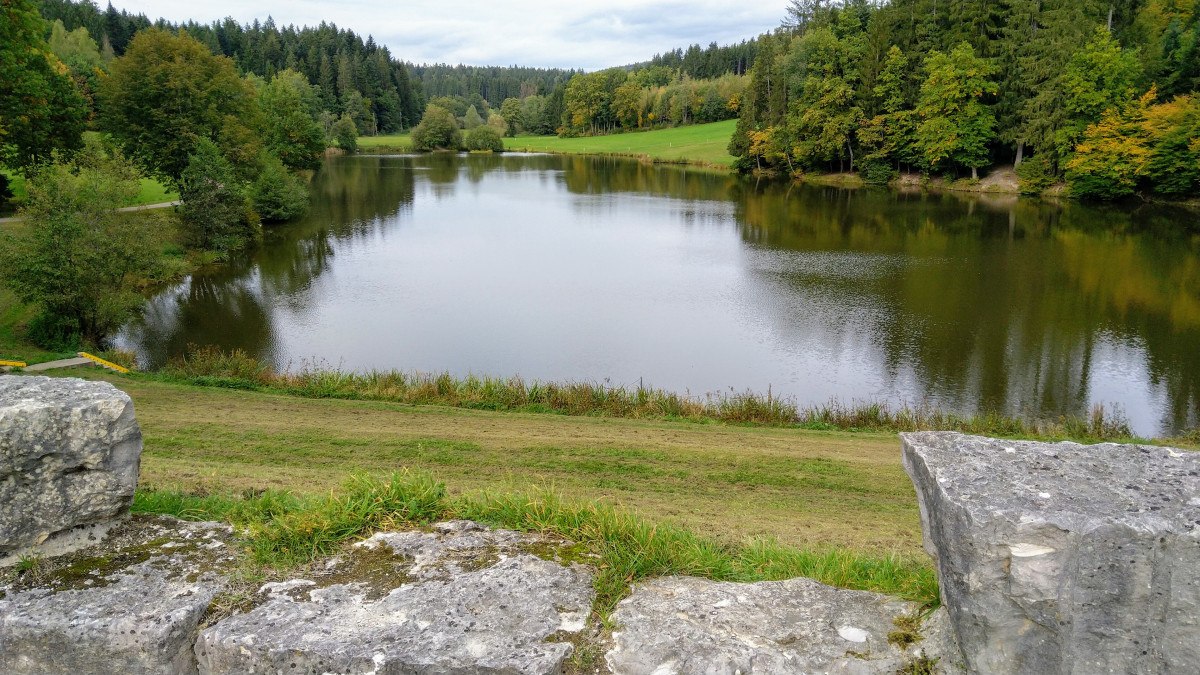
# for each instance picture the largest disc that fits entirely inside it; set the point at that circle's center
(704, 144)
(396, 143)
(808, 489)
(699, 144)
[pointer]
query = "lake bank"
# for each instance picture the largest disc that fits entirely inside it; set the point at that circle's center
(706, 500)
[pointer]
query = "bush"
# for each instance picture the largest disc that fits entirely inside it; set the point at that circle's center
(484, 138)
(81, 263)
(55, 332)
(877, 171)
(216, 214)
(6, 193)
(278, 195)
(345, 134)
(1035, 175)
(438, 130)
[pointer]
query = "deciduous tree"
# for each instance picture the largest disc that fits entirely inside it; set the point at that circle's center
(167, 94)
(438, 130)
(956, 125)
(289, 105)
(41, 111)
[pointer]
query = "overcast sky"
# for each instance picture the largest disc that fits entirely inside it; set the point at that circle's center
(588, 34)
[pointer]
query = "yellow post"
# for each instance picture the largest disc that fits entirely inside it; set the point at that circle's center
(101, 362)
(12, 364)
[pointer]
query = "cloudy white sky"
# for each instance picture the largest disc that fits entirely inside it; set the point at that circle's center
(587, 34)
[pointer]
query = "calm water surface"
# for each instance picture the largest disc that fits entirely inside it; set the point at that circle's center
(561, 268)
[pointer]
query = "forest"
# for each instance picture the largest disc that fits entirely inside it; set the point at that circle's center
(1100, 94)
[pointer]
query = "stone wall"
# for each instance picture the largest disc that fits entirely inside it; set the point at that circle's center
(1063, 558)
(1053, 558)
(69, 455)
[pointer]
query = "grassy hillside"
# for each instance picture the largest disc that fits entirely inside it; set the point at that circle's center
(810, 489)
(704, 144)
(699, 144)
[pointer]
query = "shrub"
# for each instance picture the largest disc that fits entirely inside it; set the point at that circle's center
(81, 262)
(345, 134)
(877, 171)
(484, 138)
(1035, 175)
(438, 130)
(278, 194)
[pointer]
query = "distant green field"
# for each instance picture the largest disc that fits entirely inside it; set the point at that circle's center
(696, 144)
(398, 142)
(699, 144)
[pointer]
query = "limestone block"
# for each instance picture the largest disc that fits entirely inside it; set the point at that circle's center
(683, 625)
(130, 605)
(1063, 558)
(69, 455)
(461, 599)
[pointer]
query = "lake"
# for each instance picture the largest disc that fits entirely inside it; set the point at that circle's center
(608, 270)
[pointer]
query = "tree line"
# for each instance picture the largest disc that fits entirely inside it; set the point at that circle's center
(618, 100)
(1099, 93)
(238, 148)
(706, 63)
(353, 75)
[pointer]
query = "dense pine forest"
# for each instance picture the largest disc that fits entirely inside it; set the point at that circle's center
(1099, 92)
(352, 73)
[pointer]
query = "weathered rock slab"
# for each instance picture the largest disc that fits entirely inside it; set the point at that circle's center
(1063, 558)
(683, 625)
(131, 605)
(461, 599)
(69, 455)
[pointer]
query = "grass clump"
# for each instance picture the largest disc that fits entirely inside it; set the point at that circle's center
(210, 366)
(285, 530)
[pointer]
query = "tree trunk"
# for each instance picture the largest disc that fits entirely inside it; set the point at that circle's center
(851, 149)
(1020, 154)
(1111, 10)
(974, 173)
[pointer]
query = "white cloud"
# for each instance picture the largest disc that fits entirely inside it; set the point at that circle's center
(587, 34)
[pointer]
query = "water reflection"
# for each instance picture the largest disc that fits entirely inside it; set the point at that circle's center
(578, 268)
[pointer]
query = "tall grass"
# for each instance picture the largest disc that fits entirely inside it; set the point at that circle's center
(209, 366)
(284, 530)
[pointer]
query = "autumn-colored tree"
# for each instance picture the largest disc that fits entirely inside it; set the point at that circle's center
(1113, 153)
(1173, 132)
(1098, 78)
